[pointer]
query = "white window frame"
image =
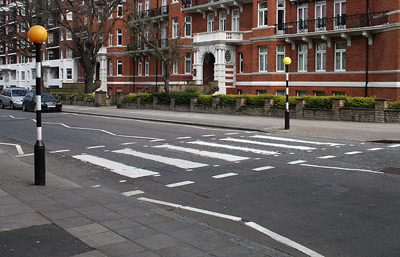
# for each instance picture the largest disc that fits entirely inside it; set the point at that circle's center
(175, 67)
(281, 8)
(188, 63)
(146, 66)
(110, 39)
(175, 27)
(302, 18)
(210, 22)
(69, 16)
(263, 58)
(340, 9)
(188, 26)
(321, 55)
(69, 53)
(235, 20)
(120, 10)
(222, 21)
(110, 67)
(302, 57)
(240, 62)
(119, 37)
(69, 35)
(320, 16)
(119, 67)
(280, 54)
(263, 14)
(69, 74)
(340, 56)
(140, 67)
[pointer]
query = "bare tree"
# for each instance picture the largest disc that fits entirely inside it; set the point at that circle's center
(150, 36)
(89, 24)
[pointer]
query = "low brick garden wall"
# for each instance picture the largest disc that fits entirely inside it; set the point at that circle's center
(339, 112)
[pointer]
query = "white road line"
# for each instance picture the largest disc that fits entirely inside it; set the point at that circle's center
(95, 147)
(60, 151)
(158, 158)
(297, 147)
(231, 147)
(296, 162)
(263, 168)
(135, 192)
(96, 186)
(123, 181)
(116, 167)
(352, 153)
(393, 146)
(283, 239)
(327, 157)
(225, 175)
(339, 168)
(179, 184)
(215, 155)
(208, 136)
(157, 140)
(374, 149)
(129, 143)
(233, 133)
(250, 224)
(17, 146)
(13, 117)
(183, 137)
(295, 140)
(25, 155)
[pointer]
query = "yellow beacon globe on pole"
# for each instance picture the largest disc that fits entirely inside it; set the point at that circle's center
(37, 34)
(287, 60)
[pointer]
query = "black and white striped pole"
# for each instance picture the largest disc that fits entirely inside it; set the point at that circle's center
(287, 61)
(37, 34)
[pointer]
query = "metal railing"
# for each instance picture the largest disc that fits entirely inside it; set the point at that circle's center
(151, 13)
(190, 3)
(142, 46)
(332, 23)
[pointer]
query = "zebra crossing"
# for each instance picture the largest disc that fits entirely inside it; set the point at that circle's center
(209, 152)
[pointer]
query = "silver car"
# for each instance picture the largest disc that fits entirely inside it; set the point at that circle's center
(12, 97)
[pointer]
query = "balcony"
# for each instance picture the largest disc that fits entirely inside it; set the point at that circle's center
(202, 6)
(142, 47)
(227, 37)
(334, 23)
(162, 11)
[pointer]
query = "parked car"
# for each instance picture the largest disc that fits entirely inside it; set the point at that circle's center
(49, 103)
(12, 97)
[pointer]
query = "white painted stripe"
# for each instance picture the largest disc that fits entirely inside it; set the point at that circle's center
(96, 146)
(225, 175)
(123, 181)
(135, 192)
(393, 146)
(252, 225)
(339, 168)
(183, 137)
(283, 239)
(327, 157)
(297, 162)
(208, 135)
(157, 140)
(211, 213)
(295, 140)
(59, 151)
(215, 155)
(25, 155)
(158, 158)
(179, 184)
(305, 148)
(352, 153)
(374, 149)
(233, 133)
(231, 147)
(39, 133)
(116, 167)
(129, 143)
(17, 146)
(263, 168)
(96, 186)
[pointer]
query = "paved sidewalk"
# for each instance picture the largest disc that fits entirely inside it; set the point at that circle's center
(65, 219)
(358, 131)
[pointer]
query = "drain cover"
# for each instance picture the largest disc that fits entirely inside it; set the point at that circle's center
(391, 170)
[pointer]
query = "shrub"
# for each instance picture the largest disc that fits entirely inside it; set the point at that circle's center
(319, 102)
(360, 102)
(191, 90)
(257, 100)
(280, 101)
(183, 98)
(228, 99)
(205, 99)
(163, 98)
(90, 97)
(130, 98)
(394, 105)
(146, 97)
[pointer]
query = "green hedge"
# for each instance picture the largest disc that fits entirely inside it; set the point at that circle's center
(394, 105)
(360, 102)
(319, 102)
(205, 99)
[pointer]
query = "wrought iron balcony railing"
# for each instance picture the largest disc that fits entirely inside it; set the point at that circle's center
(332, 23)
(151, 13)
(142, 46)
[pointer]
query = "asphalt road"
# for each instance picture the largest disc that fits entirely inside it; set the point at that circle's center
(331, 197)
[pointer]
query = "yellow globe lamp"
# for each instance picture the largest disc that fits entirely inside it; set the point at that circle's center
(37, 34)
(287, 60)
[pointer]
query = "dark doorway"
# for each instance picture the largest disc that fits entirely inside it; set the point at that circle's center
(98, 71)
(208, 68)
